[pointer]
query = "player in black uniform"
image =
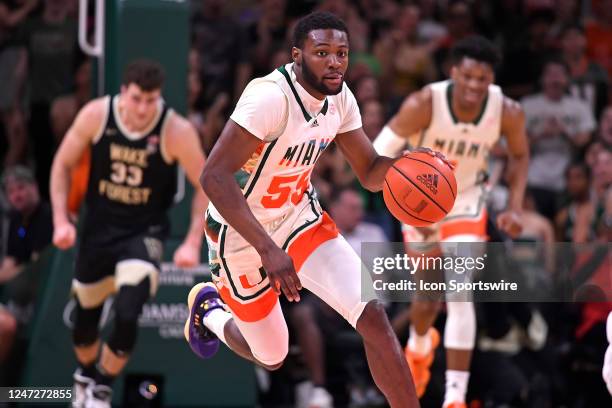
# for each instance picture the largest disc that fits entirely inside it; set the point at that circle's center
(136, 142)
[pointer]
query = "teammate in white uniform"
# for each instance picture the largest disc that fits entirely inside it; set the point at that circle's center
(607, 367)
(265, 223)
(461, 118)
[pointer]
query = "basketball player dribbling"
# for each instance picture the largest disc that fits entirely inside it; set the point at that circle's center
(462, 118)
(265, 228)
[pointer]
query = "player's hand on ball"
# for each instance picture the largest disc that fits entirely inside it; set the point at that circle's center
(430, 152)
(64, 235)
(281, 273)
(509, 221)
(187, 255)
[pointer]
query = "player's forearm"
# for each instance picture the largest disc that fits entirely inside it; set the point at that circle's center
(519, 166)
(374, 178)
(196, 227)
(223, 191)
(60, 185)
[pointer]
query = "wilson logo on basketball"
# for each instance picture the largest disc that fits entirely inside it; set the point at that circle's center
(430, 181)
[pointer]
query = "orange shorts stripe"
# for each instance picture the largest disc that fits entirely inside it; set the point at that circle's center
(463, 226)
(308, 241)
(298, 250)
(252, 311)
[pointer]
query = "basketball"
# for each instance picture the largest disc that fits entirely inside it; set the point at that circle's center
(420, 189)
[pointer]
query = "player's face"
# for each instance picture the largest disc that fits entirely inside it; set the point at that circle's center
(323, 61)
(472, 79)
(140, 106)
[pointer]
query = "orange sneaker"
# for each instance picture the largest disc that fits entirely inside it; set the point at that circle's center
(456, 405)
(419, 365)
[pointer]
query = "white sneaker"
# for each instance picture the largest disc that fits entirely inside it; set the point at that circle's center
(99, 396)
(320, 398)
(79, 389)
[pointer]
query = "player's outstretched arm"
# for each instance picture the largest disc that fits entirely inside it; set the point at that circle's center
(234, 147)
(406, 125)
(86, 126)
(183, 144)
(513, 128)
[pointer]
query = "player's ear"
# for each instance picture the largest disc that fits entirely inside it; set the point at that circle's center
(454, 73)
(296, 55)
(123, 88)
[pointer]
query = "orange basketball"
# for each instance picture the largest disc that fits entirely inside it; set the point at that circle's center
(420, 189)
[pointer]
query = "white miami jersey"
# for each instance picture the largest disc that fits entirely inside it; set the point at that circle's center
(295, 129)
(466, 145)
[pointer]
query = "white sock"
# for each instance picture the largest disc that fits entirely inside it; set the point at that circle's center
(215, 320)
(419, 344)
(456, 386)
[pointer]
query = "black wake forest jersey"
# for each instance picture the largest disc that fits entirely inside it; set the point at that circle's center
(131, 186)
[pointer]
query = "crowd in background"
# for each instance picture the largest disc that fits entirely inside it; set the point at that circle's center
(557, 61)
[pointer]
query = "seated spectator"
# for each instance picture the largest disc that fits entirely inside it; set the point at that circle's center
(599, 35)
(557, 125)
(30, 231)
(12, 76)
(346, 209)
(589, 81)
(577, 221)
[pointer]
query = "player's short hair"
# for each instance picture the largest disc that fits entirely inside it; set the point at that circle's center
(477, 48)
(319, 20)
(147, 74)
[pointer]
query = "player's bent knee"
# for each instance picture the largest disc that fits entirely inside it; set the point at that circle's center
(128, 307)
(273, 357)
(123, 338)
(85, 331)
(373, 318)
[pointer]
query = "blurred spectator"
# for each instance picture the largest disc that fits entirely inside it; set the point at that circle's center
(602, 171)
(599, 35)
(29, 233)
(459, 22)
(64, 108)
(556, 125)
(346, 209)
(406, 61)
(539, 233)
(51, 41)
(373, 118)
(430, 29)
(208, 121)
(577, 221)
(267, 34)
(12, 71)
(30, 226)
(567, 13)
(589, 81)
(531, 44)
(605, 127)
(366, 89)
(223, 50)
